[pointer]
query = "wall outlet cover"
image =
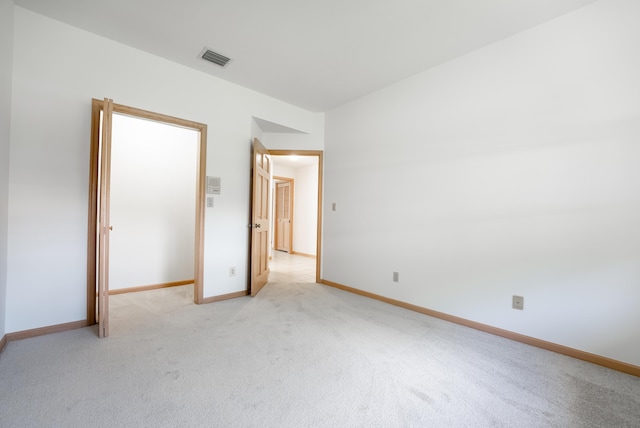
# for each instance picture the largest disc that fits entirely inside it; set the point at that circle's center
(518, 302)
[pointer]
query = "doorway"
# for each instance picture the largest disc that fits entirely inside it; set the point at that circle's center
(300, 261)
(158, 228)
(261, 212)
(152, 210)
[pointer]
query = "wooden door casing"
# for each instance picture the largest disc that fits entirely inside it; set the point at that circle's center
(104, 227)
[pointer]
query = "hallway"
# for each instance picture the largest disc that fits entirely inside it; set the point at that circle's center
(292, 268)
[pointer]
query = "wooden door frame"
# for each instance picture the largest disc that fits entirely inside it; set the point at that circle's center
(96, 108)
(291, 205)
(319, 154)
(103, 226)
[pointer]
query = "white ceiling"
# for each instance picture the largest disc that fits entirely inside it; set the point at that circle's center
(316, 54)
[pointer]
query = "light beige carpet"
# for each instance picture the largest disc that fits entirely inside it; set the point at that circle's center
(301, 355)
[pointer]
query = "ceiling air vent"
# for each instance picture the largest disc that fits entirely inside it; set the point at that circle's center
(214, 57)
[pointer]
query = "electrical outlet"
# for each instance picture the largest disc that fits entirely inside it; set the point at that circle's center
(209, 201)
(518, 302)
(396, 277)
(232, 271)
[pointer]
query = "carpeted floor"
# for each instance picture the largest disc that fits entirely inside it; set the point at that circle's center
(301, 355)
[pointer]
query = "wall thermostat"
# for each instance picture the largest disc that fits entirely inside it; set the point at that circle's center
(213, 185)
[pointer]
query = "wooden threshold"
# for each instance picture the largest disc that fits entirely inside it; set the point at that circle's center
(538, 343)
(150, 287)
(225, 296)
(41, 331)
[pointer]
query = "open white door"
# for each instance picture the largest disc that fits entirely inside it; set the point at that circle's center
(104, 227)
(261, 191)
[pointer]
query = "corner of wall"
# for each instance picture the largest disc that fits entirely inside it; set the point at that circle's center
(6, 81)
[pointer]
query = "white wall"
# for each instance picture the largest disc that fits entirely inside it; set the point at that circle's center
(6, 69)
(51, 107)
(511, 170)
(305, 209)
(153, 201)
(291, 141)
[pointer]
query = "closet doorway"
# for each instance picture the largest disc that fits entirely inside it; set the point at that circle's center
(146, 205)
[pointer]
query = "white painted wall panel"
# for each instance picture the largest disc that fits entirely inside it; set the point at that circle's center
(511, 170)
(153, 203)
(306, 210)
(6, 70)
